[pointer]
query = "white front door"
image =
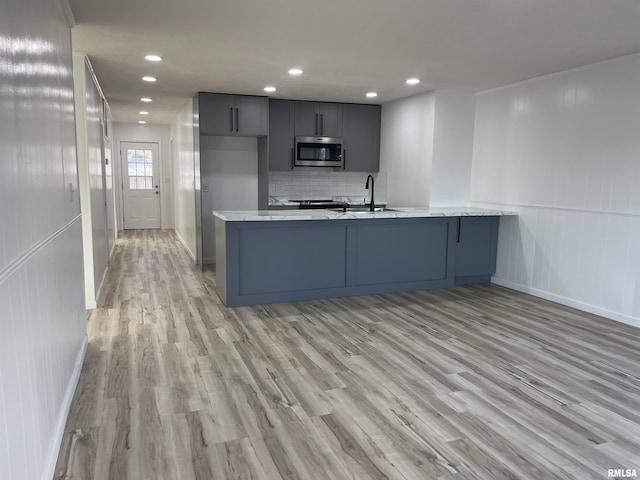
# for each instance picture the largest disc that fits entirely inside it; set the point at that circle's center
(141, 193)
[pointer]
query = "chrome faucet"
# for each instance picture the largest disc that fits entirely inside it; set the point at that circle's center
(372, 205)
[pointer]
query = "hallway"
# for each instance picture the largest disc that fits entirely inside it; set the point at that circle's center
(476, 382)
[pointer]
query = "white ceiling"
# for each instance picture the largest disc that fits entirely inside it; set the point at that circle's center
(346, 47)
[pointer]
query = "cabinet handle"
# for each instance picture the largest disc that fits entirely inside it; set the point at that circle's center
(237, 119)
(292, 159)
(231, 119)
(458, 235)
(316, 127)
(322, 124)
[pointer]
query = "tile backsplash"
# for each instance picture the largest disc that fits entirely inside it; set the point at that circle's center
(319, 184)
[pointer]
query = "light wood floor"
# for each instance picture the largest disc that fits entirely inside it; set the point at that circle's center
(468, 383)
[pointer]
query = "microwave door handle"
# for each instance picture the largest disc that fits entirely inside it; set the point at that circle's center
(344, 159)
(316, 124)
(231, 119)
(292, 159)
(322, 124)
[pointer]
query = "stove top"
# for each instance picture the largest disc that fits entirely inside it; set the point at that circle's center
(319, 204)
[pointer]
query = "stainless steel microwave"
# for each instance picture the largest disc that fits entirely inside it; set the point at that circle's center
(318, 152)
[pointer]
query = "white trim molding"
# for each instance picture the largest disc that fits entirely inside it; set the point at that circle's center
(26, 256)
(569, 302)
(68, 13)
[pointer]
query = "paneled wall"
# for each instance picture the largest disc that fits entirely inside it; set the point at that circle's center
(452, 148)
(564, 151)
(183, 178)
(406, 149)
(42, 316)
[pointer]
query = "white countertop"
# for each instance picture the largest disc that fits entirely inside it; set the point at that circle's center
(268, 215)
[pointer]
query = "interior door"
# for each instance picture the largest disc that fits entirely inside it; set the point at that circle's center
(141, 193)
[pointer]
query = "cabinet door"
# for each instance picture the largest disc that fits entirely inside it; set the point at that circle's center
(314, 118)
(216, 114)
(280, 134)
(251, 115)
(329, 119)
(306, 119)
(361, 131)
(476, 248)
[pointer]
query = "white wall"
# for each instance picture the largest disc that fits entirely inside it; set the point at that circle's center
(229, 179)
(42, 316)
(160, 134)
(109, 172)
(452, 148)
(406, 149)
(564, 151)
(183, 175)
(90, 139)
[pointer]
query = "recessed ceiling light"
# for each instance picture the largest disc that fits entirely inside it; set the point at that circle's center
(270, 89)
(413, 81)
(146, 99)
(149, 79)
(144, 113)
(141, 122)
(153, 58)
(372, 95)
(295, 71)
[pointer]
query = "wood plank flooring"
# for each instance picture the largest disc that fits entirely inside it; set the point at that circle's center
(475, 382)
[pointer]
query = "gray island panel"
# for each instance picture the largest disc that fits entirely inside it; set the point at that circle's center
(291, 258)
(476, 249)
(395, 252)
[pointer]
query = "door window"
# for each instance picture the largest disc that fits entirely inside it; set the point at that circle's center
(140, 168)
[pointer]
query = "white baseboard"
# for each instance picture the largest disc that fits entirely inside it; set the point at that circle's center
(186, 247)
(52, 457)
(569, 302)
(93, 303)
(99, 292)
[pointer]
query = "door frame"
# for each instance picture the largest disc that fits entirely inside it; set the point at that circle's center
(122, 166)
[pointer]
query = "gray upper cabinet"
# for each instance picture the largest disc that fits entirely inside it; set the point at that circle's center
(357, 124)
(361, 132)
(315, 118)
(281, 134)
(222, 114)
(215, 114)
